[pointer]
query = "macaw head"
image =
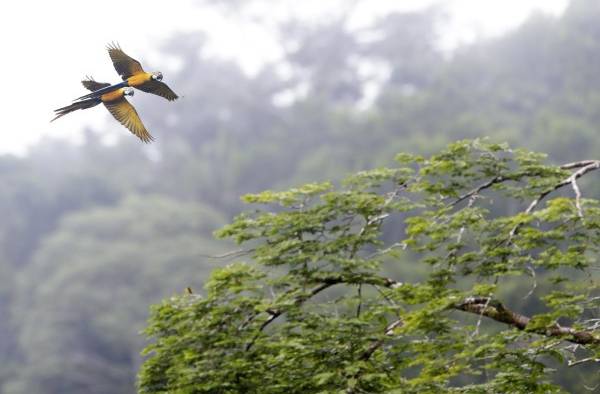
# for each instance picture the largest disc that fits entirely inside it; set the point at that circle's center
(128, 91)
(157, 76)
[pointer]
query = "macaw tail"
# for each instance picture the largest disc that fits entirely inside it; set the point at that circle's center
(100, 92)
(84, 104)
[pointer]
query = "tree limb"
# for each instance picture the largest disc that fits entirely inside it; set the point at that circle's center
(482, 306)
(495, 310)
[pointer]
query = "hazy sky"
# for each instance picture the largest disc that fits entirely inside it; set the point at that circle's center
(48, 46)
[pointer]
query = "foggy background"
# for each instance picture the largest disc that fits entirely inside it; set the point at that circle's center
(96, 227)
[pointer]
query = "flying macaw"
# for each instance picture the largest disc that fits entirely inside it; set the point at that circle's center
(115, 102)
(133, 75)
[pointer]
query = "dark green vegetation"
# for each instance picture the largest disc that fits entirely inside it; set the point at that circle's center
(91, 235)
(317, 312)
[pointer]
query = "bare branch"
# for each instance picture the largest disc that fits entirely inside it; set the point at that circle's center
(593, 165)
(582, 361)
(578, 164)
(584, 167)
(577, 198)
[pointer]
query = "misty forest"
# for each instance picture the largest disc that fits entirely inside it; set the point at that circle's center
(371, 213)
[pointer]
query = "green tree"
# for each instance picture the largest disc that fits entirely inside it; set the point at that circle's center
(322, 308)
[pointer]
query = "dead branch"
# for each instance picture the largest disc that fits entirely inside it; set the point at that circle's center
(583, 360)
(577, 198)
(584, 166)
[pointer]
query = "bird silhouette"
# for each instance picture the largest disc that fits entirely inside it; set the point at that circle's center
(133, 75)
(115, 102)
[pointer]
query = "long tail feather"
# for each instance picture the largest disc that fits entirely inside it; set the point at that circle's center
(75, 106)
(100, 92)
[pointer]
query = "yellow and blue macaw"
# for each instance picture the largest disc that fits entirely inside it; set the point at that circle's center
(116, 103)
(133, 75)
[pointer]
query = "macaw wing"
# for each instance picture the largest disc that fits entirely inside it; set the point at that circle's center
(92, 85)
(125, 65)
(159, 88)
(124, 112)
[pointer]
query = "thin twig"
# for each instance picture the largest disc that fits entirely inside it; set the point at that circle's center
(480, 318)
(402, 245)
(534, 286)
(385, 296)
(452, 254)
(479, 188)
(462, 229)
(590, 388)
(577, 198)
(389, 331)
(359, 300)
(233, 253)
(275, 313)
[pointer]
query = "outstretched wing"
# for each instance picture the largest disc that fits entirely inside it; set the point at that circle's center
(159, 88)
(124, 112)
(125, 65)
(90, 84)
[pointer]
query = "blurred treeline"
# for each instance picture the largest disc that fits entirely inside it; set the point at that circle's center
(92, 234)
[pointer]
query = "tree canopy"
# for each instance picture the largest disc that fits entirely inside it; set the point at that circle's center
(403, 279)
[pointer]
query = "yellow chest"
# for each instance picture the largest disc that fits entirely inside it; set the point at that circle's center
(139, 79)
(112, 96)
